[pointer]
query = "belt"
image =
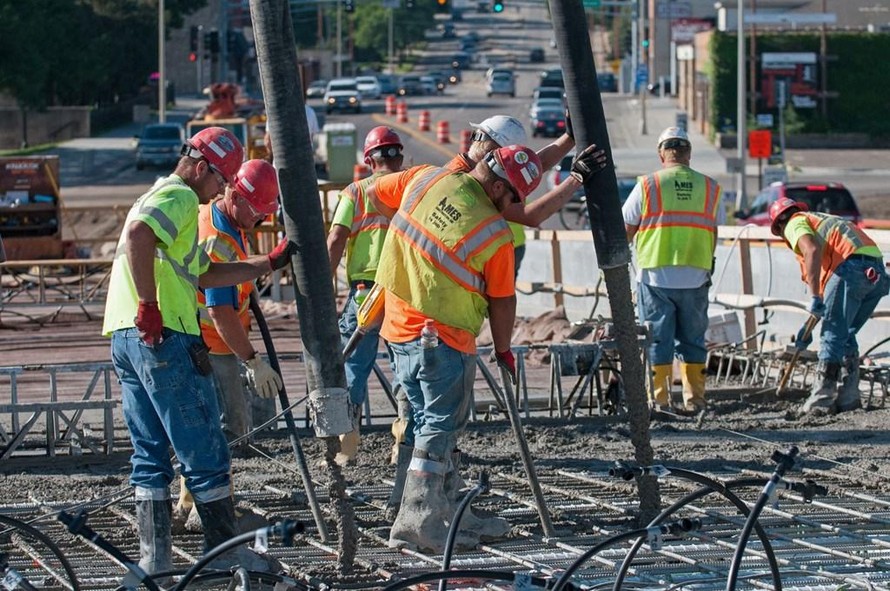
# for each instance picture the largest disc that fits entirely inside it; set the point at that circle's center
(864, 257)
(367, 283)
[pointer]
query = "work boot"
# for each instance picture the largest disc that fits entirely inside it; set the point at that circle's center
(421, 522)
(848, 397)
(821, 399)
(218, 519)
(184, 506)
(349, 441)
(693, 376)
(155, 540)
(662, 378)
(487, 528)
(398, 487)
(400, 423)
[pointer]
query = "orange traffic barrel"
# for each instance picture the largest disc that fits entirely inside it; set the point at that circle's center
(402, 112)
(442, 134)
(423, 121)
(390, 104)
(360, 171)
(466, 138)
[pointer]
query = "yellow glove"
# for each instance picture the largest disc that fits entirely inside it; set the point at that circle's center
(263, 378)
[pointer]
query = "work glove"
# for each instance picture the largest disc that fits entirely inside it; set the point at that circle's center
(570, 131)
(587, 163)
(281, 254)
(505, 360)
(150, 323)
(816, 307)
(803, 338)
(265, 380)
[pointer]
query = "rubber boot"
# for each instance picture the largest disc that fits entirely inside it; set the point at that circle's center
(349, 441)
(821, 399)
(420, 524)
(486, 528)
(848, 397)
(218, 519)
(398, 487)
(693, 376)
(153, 521)
(662, 378)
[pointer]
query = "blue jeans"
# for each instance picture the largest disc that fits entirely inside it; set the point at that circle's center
(679, 320)
(850, 298)
(167, 403)
(439, 386)
(360, 364)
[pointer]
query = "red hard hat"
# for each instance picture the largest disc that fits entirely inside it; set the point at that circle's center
(780, 206)
(379, 137)
(220, 148)
(257, 182)
(518, 165)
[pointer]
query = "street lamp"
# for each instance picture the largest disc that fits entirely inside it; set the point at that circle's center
(162, 75)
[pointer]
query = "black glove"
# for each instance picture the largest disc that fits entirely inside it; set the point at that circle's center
(587, 163)
(569, 130)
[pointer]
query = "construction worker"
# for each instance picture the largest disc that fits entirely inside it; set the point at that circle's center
(844, 271)
(673, 215)
(168, 395)
(358, 229)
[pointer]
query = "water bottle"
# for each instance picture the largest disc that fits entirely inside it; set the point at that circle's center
(361, 293)
(429, 335)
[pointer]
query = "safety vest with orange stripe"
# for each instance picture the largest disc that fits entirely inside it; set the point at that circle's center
(221, 247)
(445, 230)
(837, 238)
(366, 231)
(679, 219)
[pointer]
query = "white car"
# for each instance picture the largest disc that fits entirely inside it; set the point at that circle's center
(368, 87)
(342, 95)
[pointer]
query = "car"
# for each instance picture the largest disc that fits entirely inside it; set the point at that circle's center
(548, 121)
(410, 85)
(496, 69)
(448, 31)
(547, 104)
(548, 92)
(501, 83)
(317, 88)
(388, 84)
(342, 95)
(461, 60)
(454, 76)
(536, 55)
(607, 82)
(833, 198)
(441, 79)
(429, 85)
(159, 145)
(368, 87)
(552, 77)
(469, 45)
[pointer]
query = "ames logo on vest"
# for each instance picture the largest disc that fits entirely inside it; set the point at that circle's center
(683, 189)
(449, 214)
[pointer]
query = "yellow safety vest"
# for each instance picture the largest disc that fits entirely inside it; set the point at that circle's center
(439, 240)
(679, 219)
(367, 232)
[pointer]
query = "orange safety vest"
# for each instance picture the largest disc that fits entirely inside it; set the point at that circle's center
(221, 247)
(838, 239)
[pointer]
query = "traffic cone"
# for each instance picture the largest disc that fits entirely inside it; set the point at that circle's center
(442, 133)
(466, 138)
(401, 112)
(390, 104)
(360, 171)
(423, 121)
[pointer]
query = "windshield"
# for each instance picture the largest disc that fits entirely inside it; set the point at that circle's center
(161, 133)
(831, 200)
(341, 87)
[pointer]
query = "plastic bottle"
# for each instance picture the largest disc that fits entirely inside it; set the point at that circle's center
(429, 335)
(361, 293)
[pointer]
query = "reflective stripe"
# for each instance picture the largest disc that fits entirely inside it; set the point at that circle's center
(181, 270)
(483, 235)
(152, 494)
(420, 184)
(161, 218)
(677, 219)
(438, 253)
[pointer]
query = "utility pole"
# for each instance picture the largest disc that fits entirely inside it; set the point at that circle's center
(339, 38)
(741, 201)
(823, 62)
(390, 44)
(162, 73)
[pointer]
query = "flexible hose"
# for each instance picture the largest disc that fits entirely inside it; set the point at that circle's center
(44, 539)
(487, 575)
(240, 580)
(482, 487)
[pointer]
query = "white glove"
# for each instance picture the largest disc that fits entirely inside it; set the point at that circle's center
(263, 378)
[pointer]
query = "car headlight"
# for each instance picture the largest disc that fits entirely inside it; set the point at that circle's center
(352, 100)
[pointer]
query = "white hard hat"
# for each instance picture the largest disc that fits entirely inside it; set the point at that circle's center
(504, 130)
(679, 135)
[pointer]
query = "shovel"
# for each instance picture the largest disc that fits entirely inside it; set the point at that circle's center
(811, 323)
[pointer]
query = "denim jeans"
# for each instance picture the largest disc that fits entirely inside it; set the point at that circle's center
(679, 320)
(360, 364)
(167, 403)
(439, 386)
(850, 298)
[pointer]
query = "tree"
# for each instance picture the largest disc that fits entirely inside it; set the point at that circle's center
(371, 34)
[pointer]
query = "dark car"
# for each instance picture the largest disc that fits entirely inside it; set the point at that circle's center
(454, 76)
(536, 55)
(159, 145)
(441, 79)
(411, 85)
(607, 82)
(552, 77)
(833, 198)
(461, 60)
(548, 122)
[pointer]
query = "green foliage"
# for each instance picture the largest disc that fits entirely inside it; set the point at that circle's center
(858, 73)
(371, 32)
(80, 52)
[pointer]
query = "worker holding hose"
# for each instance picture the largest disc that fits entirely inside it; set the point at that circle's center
(844, 271)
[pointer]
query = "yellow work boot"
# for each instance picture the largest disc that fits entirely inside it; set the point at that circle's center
(399, 425)
(662, 378)
(348, 447)
(184, 506)
(693, 375)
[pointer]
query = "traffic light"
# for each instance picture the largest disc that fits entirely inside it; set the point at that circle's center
(211, 41)
(193, 57)
(645, 43)
(349, 5)
(498, 6)
(193, 38)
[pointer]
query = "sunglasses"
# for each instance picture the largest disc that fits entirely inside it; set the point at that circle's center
(216, 173)
(249, 206)
(389, 151)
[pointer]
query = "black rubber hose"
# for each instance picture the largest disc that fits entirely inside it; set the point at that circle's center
(42, 537)
(243, 576)
(211, 576)
(784, 463)
(714, 486)
(11, 578)
(481, 487)
(489, 575)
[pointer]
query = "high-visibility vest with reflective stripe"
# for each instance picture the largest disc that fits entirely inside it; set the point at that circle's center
(838, 239)
(170, 209)
(679, 219)
(221, 247)
(439, 240)
(367, 232)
